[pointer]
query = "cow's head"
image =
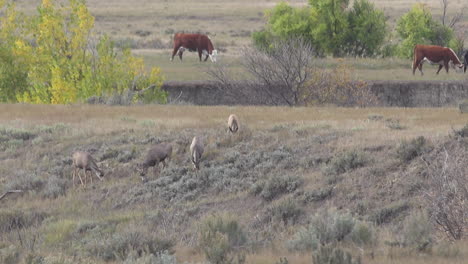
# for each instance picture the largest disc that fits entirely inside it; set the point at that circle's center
(457, 67)
(212, 55)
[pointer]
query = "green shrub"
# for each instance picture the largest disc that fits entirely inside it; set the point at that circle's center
(278, 185)
(60, 232)
(15, 219)
(333, 255)
(285, 210)
(388, 213)
(25, 181)
(221, 238)
(160, 258)
(463, 106)
(346, 161)
(407, 151)
(462, 132)
(317, 195)
(447, 250)
(55, 187)
(394, 124)
(120, 245)
(326, 227)
(363, 234)
(10, 255)
(417, 231)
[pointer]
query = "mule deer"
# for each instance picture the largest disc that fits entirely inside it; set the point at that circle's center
(159, 153)
(196, 152)
(233, 123)
(84, 160)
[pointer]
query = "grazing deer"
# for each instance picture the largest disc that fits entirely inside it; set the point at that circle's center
(83, 160)
(233, 123)
(159, 153)
(196, 152)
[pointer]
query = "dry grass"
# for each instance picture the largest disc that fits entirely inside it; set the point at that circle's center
(428, 122)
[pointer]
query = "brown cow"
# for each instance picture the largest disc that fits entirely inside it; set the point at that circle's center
(194, 42)
(434, 55)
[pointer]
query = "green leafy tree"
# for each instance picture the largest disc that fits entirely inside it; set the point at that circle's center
(331, 25)
(13, 69)
(367, 30)
(328, 26)
(418, 27)
(284, 21)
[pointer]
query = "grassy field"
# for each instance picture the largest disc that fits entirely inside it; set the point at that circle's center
(238, 175)
(150, 25)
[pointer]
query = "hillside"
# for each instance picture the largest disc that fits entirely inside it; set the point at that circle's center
(279, 173)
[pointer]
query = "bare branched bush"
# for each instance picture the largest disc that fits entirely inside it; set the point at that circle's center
(446, 193)
(337, 87)
(284, 74)
(279, 74)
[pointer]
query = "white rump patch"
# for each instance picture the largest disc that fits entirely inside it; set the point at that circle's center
(432, 62)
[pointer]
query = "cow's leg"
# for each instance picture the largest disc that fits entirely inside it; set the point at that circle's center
(420, 68)
(200, 54)
(174, 52)
(181, 52)
(446, 67)
(440, 68)
(417, 65)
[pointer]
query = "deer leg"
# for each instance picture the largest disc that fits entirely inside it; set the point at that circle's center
(73, 176)
(81, 180)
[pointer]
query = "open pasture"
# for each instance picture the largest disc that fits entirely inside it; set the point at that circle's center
(148, 27)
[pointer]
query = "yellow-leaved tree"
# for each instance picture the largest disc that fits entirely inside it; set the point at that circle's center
(63, 61)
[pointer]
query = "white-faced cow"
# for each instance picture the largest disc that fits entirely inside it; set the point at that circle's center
(194, 42)
(434, 55)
